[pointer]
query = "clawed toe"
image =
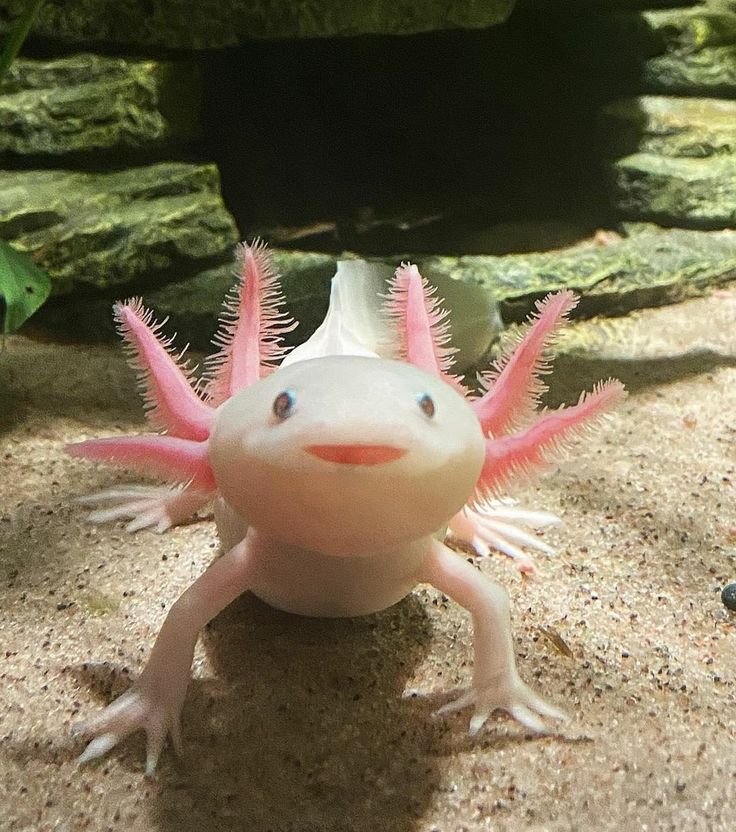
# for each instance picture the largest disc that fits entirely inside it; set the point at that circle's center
(455, 705)
(527, 718)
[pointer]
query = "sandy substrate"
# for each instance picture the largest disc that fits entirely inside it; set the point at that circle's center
(324, 726)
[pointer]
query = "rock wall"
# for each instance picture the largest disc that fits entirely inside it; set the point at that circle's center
(569, 119)
(83, 193)
(99, 230)
(214, 24)
(668, 144)
(86, 104)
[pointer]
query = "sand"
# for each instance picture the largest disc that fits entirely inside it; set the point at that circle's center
(320, 726)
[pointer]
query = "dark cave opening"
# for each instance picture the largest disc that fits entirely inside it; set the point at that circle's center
(450, 142)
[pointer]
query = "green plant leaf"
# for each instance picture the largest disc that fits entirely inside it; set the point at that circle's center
(23, 287)
(18, 34)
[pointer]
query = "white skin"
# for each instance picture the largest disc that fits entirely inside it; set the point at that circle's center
(341, 469)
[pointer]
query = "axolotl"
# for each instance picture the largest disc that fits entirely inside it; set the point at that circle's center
(333, 477)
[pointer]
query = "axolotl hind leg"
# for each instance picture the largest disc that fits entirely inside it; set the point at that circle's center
(496, 681)
(501, 524)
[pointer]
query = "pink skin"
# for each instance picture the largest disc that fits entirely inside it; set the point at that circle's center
(356, 454)
(331, 478)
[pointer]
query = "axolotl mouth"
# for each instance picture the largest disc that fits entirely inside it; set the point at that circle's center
(356, 454)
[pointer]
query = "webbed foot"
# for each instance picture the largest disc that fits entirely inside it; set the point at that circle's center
(142, 707)
(495, 524)
(145, 506)
(510, 695)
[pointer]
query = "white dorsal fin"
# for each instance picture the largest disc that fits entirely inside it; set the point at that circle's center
(354, 323)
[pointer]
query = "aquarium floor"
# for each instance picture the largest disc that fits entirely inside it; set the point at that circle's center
(323, 726)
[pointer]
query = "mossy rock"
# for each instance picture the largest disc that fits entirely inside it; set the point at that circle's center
(698, 128)
(652, 267)
(695, 192)
(682, 51)
(221, 23)
(87, 104)
(93, 231)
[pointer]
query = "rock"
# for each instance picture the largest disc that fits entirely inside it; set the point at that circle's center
(681, 162)
(631, 4)
(688, 51)
(728, 596)
(192, 306)
(668, 126)
(89, 103)
(693, 192)
(651, 267)
(219, 23)
(107, 229)
(699, 54)
(707, 71)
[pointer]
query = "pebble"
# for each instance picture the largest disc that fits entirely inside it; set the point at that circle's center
(728, 596)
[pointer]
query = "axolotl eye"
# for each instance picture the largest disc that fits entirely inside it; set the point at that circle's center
(283, 405)
(426, 404)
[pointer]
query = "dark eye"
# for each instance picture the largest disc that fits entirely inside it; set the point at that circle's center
(426, 404)
(283, 405)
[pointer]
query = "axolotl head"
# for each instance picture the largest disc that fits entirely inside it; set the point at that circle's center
(347, 455)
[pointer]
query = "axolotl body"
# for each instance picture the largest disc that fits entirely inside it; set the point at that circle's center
(331, 477)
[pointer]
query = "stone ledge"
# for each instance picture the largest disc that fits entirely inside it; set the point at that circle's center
(213, 24)
(695, 192)
(686, 51)
(667, 126)
(87, 103)
(651, 267)
(94, 231)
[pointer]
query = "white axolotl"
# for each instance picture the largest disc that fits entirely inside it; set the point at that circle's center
(332, 477)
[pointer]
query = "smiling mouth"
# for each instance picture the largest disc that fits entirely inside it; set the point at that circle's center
(356, 454)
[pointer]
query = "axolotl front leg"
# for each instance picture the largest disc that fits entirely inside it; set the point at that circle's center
(496, 681)
(339, 586)
(155, 700)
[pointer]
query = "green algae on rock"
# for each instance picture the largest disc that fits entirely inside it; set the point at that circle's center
(97, 230)
(685, 51)
(699, 50)
(669, 126)
(89, 103)
(213, 25)
(694, 192)
(651, 267)
(677, 159)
